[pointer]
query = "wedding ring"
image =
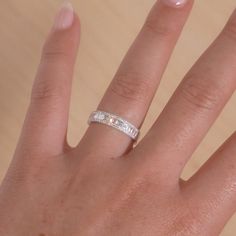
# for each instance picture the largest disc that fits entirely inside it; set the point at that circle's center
(115, 122)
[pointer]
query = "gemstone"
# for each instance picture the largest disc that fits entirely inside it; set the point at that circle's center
(96, 116)
(102, 116)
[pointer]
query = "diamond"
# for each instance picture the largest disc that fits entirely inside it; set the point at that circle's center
(96, 116)
(101, 116)
(116, 122)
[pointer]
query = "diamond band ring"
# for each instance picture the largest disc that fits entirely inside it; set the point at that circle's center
(115, 122)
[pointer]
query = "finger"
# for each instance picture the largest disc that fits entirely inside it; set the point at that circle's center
(212, 190)
(194, 106)
(131, 91)
(46, 122)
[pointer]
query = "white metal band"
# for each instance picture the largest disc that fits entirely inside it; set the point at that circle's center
(115, 122)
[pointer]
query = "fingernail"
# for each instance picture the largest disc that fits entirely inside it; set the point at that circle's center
(65, 17)
(175, 3)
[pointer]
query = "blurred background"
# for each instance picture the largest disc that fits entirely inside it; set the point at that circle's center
(108, 28)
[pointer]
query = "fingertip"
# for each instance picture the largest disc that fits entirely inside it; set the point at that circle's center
(176, 3)
(65, 17)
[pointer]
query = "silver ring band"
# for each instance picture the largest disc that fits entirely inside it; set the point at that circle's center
(115, 122)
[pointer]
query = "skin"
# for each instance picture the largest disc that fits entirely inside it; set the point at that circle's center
(107, 186)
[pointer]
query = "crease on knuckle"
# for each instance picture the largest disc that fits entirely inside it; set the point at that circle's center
(55, 55)
(200, 94)
(44, 91)
(131, 87)
(159, 27)
(185, 225)
(54, 51)
(160, 30)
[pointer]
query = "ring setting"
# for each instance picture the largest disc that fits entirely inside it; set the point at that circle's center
(115, 122)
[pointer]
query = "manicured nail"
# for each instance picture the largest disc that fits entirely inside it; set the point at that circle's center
(175, 3)
(65, 17)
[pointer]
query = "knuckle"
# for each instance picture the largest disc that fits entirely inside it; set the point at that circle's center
(134, 189)
(140, 184)
(54, 51)
(55, 54)
(188, 219)
(158, 29)
(130, 87)
(187, 224)
(16, 178)
(158, 26)
(200, 94)
(46, 90)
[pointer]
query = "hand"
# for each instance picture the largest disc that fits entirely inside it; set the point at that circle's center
(105, 185)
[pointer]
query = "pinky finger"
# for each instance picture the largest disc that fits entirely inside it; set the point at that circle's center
(212, 190)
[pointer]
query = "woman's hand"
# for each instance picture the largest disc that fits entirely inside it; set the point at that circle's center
(104, 186)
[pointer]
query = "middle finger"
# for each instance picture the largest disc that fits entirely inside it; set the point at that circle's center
(194, 106)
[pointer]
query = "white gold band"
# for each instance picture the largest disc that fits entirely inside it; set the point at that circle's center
(115, 122)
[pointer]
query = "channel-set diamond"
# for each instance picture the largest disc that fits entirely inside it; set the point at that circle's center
(114, 121)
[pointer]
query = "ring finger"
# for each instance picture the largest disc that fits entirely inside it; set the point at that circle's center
(134, 85)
